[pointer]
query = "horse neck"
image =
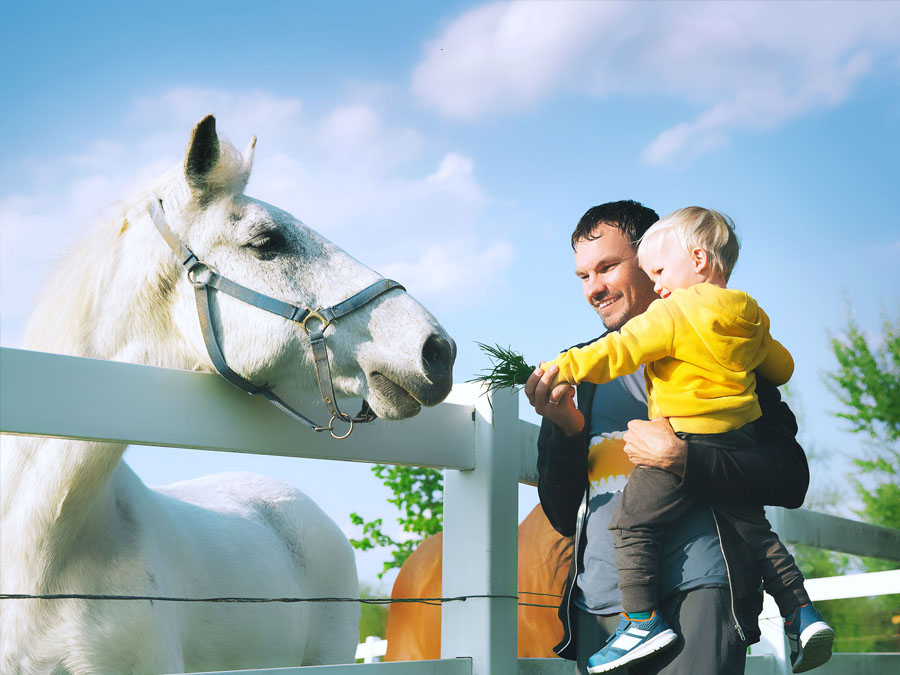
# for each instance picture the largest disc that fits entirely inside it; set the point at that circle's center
(56, 496)
(112, 298)
(106, 303)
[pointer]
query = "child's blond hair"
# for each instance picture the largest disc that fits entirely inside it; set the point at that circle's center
(694, 227)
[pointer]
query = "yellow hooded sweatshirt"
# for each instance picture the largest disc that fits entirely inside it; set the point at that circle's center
(701, 346)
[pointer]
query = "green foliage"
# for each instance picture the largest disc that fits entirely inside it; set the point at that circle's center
(863, 624)
(881, 506)
(418, 494)
(817, 563)
(867, 382)
(373, 620)
(508, 368)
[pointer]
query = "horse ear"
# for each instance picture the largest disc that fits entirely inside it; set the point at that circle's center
(247, 162)
(202, 154)
(247, 155)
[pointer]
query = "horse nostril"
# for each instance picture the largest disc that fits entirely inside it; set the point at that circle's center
(438, 355)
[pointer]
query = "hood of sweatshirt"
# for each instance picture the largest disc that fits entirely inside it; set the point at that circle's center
(728, 322)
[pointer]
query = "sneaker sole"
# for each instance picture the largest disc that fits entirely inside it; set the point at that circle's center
(653, 645)
(817, 648)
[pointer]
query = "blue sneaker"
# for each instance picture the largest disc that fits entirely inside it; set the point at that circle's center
(634, 641)
(810, 638)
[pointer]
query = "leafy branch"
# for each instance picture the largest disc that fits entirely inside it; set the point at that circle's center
(867, 382)
(418, 494)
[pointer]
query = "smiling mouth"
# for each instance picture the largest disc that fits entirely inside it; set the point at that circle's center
(606, 302)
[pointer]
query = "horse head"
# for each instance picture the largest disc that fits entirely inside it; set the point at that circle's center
(390, 352)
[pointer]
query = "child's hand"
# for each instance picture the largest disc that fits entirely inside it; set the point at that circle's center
(555, 382)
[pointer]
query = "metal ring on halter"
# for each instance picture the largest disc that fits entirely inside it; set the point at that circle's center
(314, 314)
(206, 270)
(330, 428)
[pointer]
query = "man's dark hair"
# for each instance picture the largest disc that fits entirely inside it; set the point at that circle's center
(631, 217)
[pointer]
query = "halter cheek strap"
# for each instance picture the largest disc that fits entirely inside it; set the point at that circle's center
(204, 277)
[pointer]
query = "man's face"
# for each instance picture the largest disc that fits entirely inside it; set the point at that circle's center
(611, 279)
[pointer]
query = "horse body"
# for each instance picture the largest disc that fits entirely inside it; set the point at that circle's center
(414, 629)
(76, 519)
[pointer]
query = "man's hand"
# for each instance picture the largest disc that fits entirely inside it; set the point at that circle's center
(655, 444)
(556, 404)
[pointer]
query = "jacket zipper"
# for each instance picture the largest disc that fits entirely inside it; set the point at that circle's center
(737, 624)
(579, 523)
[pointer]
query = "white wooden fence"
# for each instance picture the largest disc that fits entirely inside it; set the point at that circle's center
(489, 452)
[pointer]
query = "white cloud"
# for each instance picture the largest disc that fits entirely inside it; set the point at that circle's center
(745, 65)
(504, 56)
(363, 182)
(453, 169)
(247, 113)
(459, 269)
(355, 138)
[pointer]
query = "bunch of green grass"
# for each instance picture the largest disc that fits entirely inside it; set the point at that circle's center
(508, 368)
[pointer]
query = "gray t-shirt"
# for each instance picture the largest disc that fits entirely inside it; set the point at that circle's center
(690, 556)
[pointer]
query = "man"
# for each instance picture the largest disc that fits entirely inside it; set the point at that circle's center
(709, 592)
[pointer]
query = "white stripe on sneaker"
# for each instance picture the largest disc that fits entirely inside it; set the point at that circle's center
(652, 645)
(637, 631)
(625, 642)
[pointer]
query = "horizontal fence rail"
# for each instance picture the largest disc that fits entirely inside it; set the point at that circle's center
(833, 533)
(86, 399)
(89, 399)
(842, 588)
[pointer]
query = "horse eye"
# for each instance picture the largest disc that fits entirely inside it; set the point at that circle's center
(267, 243)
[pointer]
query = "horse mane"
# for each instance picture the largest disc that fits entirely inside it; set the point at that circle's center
(68, 316)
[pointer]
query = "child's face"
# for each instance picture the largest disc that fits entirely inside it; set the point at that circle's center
(669, 266)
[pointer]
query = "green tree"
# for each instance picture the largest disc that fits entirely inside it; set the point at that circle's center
(867, 383)
(418, 494)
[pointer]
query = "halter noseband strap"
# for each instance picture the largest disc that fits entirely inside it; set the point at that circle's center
(203, 277)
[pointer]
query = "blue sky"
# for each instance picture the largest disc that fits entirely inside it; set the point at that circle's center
(453, 146)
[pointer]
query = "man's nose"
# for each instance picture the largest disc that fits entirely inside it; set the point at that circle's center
(596, 288)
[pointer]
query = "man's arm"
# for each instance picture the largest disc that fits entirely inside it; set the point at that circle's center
(773, 472)
(562, 452)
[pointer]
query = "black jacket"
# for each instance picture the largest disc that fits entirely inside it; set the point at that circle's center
(775, 473)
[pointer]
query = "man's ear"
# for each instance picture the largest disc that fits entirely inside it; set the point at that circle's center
(700, 259)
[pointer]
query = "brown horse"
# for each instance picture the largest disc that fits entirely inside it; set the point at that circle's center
(414, 629)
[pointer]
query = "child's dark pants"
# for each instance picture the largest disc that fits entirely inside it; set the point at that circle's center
(652, 501)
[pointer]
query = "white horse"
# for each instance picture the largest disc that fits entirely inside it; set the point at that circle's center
(76, 519)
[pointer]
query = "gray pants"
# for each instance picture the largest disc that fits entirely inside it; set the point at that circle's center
(652, 501)
(707, 642)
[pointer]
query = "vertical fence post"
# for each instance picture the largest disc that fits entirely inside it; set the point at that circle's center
(480, 544)
(772, 626)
